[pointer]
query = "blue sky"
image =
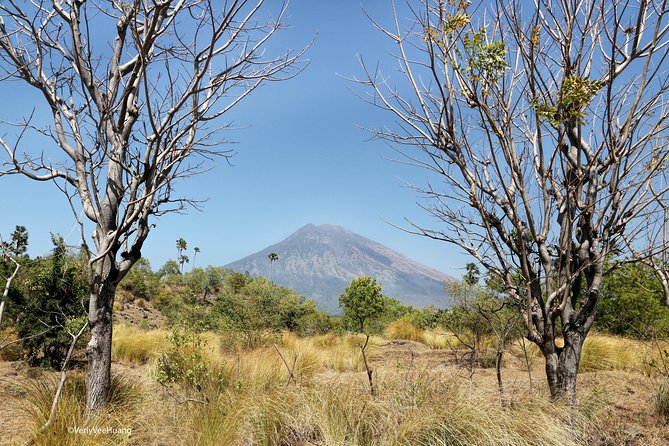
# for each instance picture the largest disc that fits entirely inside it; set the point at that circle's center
(302, 156)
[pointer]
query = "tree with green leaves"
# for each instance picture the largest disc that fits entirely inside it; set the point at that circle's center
(182, 245)
(632, 303)
(362, 301)
(545, 127)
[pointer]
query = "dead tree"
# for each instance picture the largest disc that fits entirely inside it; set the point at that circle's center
(545, 126)
(133, 93)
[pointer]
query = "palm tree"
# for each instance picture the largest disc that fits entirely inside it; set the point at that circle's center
(196, 250)
(273, 257)
(181, 259)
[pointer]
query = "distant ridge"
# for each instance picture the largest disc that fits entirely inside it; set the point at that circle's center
(320, 261)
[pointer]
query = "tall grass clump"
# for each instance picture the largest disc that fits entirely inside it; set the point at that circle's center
(122, 413)
(134, 346)
(405, 330)
(662, 403)
(602, 352)
(436, 339)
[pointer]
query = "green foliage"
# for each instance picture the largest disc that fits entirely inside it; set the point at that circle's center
(486, 60)
(464, 319)
(473, 273)
(184, 363)
(631, 303)
(52, 295)
(362, 301)
(480, 311)
(140, 281)
(169, 271)
(18, 242)
(574, 96)
(203, 284)
(254, 307)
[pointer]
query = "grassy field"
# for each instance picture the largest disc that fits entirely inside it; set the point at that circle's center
(213, 394)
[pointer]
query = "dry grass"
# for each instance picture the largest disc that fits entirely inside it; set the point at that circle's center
(602, 352)
(131, 345)
(121, 413)
(247, 398)
(12, 350)
(402, 329)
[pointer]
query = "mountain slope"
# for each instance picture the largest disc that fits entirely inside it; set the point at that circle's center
(320, 261)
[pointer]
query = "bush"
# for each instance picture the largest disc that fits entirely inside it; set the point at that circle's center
(255, 307)
(52, 293)
(630, 303)
(184, 363)
(140, 281)
(13, 351)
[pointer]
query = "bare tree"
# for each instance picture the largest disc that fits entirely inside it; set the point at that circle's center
(134, 92)
(546, 124)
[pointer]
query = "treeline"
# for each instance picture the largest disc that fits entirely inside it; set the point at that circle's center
(48, 299)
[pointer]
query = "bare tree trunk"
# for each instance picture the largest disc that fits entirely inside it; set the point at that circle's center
(8, 284)
(562, 367)
(98, 349)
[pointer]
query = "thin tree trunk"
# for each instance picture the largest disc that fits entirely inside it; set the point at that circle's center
(61, 383)
(528, 364)
(98, 349)
(8, 284)
(498, 369)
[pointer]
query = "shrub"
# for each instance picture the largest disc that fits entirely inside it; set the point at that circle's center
(52, 293)
(140, 281)
(184, 363)
(631, 305)
(10, 351)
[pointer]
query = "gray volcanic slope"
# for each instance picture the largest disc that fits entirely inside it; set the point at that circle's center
(320, 261)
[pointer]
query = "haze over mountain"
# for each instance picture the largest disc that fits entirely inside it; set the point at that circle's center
(320, 261)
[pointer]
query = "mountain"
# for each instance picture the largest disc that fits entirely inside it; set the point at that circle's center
(320, 261)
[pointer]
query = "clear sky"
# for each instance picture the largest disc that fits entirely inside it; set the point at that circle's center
(302, 156)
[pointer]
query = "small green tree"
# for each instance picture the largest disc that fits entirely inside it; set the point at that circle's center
(362, 301)
(52, 295)
(169, 270)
